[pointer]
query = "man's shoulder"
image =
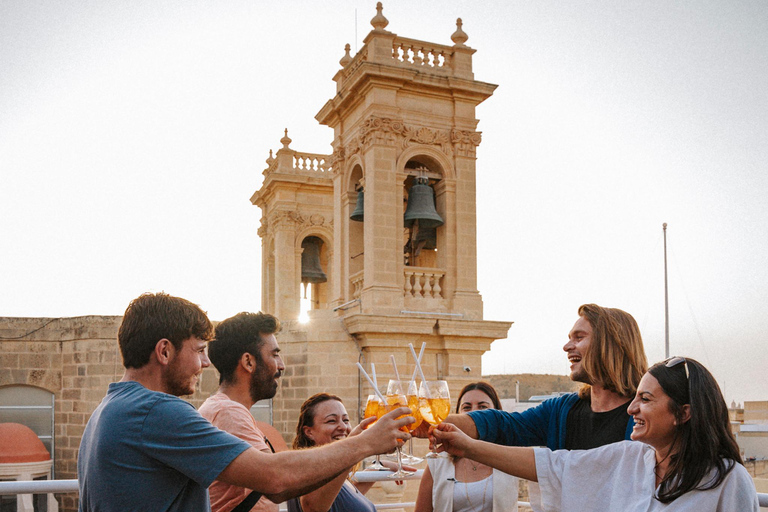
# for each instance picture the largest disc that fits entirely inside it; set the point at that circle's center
(229, 415)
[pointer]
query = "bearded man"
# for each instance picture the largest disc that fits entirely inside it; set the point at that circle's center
(246, 354)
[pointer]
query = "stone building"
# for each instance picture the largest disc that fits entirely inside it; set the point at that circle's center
(404, 124)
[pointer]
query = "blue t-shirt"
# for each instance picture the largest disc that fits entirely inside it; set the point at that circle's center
(146, 450)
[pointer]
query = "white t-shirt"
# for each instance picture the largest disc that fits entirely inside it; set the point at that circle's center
(620, 477)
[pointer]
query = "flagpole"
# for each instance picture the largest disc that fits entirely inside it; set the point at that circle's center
(666, 298)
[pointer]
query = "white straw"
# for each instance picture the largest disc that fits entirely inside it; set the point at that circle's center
(375, 389)
(373, 376)
(418, 366)
(394, 365)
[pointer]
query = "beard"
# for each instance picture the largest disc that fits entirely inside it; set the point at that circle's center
(177, 382)
(580, 375)
(263, 384)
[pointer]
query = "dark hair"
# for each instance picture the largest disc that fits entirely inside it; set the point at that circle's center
(704, 441)
(154, 316)
(307, 418)
(480, 386)
(615, 358)
(237, 335)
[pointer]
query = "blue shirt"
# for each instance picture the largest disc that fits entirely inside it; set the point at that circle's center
(543, 425)
(146, 450)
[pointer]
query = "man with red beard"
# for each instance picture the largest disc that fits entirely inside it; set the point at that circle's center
(246, 354)
(146, 449)
(606, 353)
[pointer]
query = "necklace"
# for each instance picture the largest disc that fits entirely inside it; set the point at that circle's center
(469, 501)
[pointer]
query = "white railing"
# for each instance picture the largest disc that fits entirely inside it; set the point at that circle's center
(70, 486)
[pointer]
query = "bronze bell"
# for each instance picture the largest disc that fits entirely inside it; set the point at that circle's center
(421, 206)
(428, 236)
(311, 271)
(358, 213)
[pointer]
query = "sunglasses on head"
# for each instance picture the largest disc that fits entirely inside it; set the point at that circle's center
(674, 361)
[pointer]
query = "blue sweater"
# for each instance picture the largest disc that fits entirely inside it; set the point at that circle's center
(543, 425)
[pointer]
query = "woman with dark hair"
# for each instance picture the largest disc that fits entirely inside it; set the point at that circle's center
(687, 459)
(322, 420)
(458, 484)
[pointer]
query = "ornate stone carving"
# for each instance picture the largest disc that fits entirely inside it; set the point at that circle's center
(392, 132)
(466, 142)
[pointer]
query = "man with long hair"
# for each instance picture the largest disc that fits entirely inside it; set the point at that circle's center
(146, 449)
(606, 353)
(247, 356)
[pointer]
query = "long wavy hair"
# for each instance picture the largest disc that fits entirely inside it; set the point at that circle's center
(307, 418)
(616, 356)
(702, 443)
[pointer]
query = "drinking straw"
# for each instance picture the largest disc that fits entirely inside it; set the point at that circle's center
(421, 353)
(418, 366)
(394, 365)
(373, 375)
(370, 381)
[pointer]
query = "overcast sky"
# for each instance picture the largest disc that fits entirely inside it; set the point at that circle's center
(132, 135)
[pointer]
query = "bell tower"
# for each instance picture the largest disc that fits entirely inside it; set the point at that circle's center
(393, 213)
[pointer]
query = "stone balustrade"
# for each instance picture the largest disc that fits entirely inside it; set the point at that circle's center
(423, 282)
(357, 284)
(311, 162)
(420, 54)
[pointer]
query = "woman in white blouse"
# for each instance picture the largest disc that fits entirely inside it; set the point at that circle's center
(687, 459)
(458, 484)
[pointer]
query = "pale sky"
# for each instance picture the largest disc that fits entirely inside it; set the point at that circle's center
(132, 135)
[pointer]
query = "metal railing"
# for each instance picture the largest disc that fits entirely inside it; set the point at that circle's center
(69, 486)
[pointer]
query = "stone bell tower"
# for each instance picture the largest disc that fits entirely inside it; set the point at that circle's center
(404, 268)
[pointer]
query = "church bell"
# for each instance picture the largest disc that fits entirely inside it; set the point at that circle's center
(358, 213)
(421, 206)
(428, 236)
(311, 271)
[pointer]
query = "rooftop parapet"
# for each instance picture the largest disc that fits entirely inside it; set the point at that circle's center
(386, 48)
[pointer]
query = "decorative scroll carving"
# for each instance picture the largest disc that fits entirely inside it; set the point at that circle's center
(392, 132)
(466, 142)
(292, 219)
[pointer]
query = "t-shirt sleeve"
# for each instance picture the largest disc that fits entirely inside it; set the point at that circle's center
(512, 428)
(176, 435)
(738, 492)
(239, 422)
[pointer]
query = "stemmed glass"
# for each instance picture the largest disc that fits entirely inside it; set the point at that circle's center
(434, 403)
(412, 394)
(396, 397)
(374, 407)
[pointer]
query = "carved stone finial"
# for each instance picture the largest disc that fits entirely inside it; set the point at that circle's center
(286, 140)
(379, 22)
(346, 59)
(271, 158)
(459, 37)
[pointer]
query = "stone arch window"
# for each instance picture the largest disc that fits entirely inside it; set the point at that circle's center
(421, 246)
(33, 407)
(315, 262)
(355, 234)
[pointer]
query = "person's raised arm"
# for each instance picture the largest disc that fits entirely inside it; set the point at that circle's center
(284, 475)
(516, 461)
(465, 423)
